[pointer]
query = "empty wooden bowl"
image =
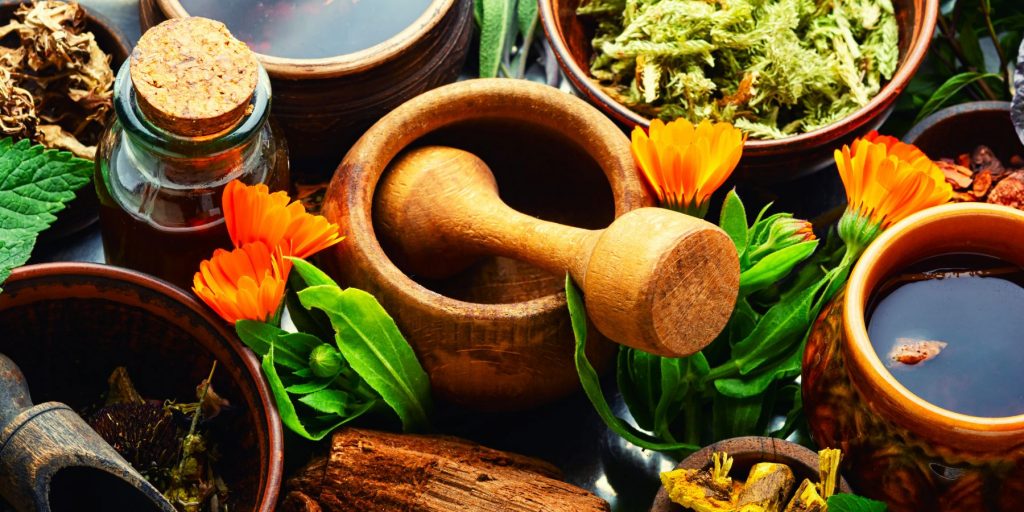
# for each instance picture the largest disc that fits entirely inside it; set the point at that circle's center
(763, 160)
(324, 105)
(68, 325)
(496, 336)
(747, 451)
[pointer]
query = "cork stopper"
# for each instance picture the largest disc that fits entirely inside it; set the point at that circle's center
(192, 77)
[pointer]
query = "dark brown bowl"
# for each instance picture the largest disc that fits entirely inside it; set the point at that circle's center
(324, 105)
(962, 128)
(83, 211)
(763, 160)
(747, 451)
(68, 325)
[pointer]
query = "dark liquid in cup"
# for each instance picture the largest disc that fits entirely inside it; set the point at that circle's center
(310, 29)
(951, 330)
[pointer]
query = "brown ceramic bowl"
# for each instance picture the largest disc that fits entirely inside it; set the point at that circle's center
(747, 451)
(83, 210)
(956, 130)
(68, 325)
(324, 105)
(901, 448)
(496, 336)
(763, 160)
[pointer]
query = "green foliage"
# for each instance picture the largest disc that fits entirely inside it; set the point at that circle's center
(318, 387)
(35, 184)
(772, 68)
(744, 378)
(853, 503)
(502, 24)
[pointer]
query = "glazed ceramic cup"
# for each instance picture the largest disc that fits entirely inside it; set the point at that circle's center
(899, 448)
(69, 325)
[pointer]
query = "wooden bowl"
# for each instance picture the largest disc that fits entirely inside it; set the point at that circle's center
(747, 451)
(960, 129)
(324, 105)
(68, 325)
(83, 211)
(763, 160)
(497, 336)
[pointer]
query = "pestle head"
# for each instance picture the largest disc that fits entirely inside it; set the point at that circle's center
(14, 395)
(656, 280)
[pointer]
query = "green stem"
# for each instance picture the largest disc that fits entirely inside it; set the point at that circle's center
(728, 369)
(692, 432)
(524, 50)
(950, 38)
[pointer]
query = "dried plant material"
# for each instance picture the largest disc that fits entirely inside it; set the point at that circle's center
(807, 499)
(57, 86)
(910, 351)
(828, 470)
(767, 487)
(704, 490)
(982, 183)
(773, 68)
(1009, 191)
(958, 176)
(983, 159)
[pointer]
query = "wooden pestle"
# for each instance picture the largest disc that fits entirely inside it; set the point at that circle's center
(656, 280)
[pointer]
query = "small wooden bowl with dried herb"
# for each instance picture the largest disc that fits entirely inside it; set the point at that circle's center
(800, 81)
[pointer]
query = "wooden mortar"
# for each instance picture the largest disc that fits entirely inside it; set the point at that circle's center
(496, 336)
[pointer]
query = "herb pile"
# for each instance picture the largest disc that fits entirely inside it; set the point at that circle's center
(56, 85)
(773, 68)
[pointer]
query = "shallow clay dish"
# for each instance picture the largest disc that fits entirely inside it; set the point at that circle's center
(763, 160)
(68, 325)
(747, 451)
(324, 105)
(496, 336)
(962, 128)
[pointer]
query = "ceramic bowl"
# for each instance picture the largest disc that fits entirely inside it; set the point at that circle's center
(763, 160)
(497, 336)
(960, 129)
(324, 105)
(900, 448)
(68, 325)
(747, 451)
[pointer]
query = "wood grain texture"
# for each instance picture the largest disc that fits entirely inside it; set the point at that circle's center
(367, 470)
(505, 349)
(655, 280)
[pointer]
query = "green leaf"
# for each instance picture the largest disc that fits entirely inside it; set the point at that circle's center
(478, 12)
(733, 220)
(783, 325)
(292, 348)
(950, 88)
(852, 503)
(310, 386)
(329, 401)
(526, 15)
(286, 408)
(638, 376)
(311, 322)
(794, 416)
(35, 184)
(754, 385)
(774, 267)
(592, 385)
(311, 275)
(373, 346)
(734, 417)
(494, 34)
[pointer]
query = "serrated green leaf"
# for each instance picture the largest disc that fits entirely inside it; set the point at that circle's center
(494, 35)
(35, 184)
(328, 401)
(372, 345)
(852, 503)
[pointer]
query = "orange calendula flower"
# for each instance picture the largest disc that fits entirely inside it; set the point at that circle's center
(253, 214)
(886, 181)
(684, 164)
(244, 284)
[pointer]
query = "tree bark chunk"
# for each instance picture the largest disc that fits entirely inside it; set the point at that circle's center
(369, 470)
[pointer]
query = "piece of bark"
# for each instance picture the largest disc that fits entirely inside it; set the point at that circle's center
(982, 184)
(1009, 191)
(957, 175)
(369, 470)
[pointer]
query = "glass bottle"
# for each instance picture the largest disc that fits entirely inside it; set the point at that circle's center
(160, 190)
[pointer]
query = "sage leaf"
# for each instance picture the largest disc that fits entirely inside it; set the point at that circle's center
(852, 503)
(35, 184)
(592, 384)
(775, 266)
(494, 34)
(526, 16)
(329, 401)
(372, 345)
(286, 409)
(949, 89)
(733, 221)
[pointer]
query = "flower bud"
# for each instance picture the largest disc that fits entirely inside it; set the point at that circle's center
(325, 361)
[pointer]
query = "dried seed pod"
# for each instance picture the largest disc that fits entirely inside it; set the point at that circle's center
(1009, 191)
(767, 487)
(145, 434)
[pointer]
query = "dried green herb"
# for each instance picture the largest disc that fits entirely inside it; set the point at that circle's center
(774, 68)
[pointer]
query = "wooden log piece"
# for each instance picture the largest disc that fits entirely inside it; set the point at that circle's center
(383, 472)
(655, 280)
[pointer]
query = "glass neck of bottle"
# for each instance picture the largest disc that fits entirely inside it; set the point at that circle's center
(181, 162)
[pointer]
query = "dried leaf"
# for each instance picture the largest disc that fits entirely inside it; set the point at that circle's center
(1009, 191)
(958, 176)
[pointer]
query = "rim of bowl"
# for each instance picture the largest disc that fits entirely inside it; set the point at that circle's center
(862, 354)
(581, 79)
(327, 67)
(953, 111)
(267, 498)
(599, 126)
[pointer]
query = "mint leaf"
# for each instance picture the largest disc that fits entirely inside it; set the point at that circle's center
(853, 503)
(35, 184)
